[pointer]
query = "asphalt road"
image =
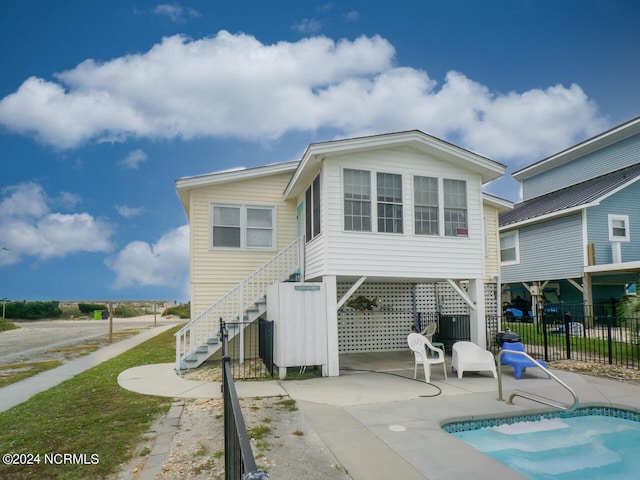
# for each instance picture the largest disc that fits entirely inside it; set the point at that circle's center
(34, 338)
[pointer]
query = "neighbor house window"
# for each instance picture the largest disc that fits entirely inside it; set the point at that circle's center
(312, 209)
(425, 210)
(240, 226)
(509, 248)
(357, 200)
(619, 228)
(455, 208)
(389, 187)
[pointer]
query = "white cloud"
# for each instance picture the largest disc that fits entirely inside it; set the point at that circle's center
(69, 200)
(175, 12)
(29, 228)
(134, 159)
(163, 263)
(352, 16)
(308, 26)
(129, 212)
(232, 85)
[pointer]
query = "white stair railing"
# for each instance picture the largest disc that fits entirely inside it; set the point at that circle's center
(233, 306)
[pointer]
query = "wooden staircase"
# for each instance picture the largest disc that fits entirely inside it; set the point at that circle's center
(245, 303)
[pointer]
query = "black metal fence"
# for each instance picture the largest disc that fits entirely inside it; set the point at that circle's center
(250, 353)
(570, 334)
(239, 462)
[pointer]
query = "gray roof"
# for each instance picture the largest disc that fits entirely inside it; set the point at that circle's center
(581, 194)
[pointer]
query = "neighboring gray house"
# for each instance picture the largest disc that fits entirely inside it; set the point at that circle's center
(577, 231)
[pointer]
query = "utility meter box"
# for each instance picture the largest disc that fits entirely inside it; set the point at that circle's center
(299, 314)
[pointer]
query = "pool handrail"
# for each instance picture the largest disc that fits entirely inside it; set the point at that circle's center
(531, 396)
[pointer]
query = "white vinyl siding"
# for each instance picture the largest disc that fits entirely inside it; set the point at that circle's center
(355, 253)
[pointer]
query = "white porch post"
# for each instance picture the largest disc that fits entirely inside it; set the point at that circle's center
(477, 315)
(333, 360)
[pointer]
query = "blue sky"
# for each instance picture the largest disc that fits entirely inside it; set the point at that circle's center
(104, 104)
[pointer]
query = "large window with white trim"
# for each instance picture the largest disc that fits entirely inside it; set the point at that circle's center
(455, 208)
(389, 186)
(509, 248)
(242, 226)
(357, 200)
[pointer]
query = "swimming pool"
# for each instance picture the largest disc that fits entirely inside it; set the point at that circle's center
(593, 443)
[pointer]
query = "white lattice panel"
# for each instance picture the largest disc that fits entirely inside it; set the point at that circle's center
(386, 328)
(373, 331)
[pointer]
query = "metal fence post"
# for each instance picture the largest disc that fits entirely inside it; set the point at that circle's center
(609, 339)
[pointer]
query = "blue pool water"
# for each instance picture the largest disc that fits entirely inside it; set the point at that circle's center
(593, 443)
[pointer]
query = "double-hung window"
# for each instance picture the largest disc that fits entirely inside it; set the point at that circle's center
(226, 226)
(619, 228)
(312, 209)
(241, 226)
(357, 200)
(389, 202)
(455, 208)
(425, 209)
(509, 248)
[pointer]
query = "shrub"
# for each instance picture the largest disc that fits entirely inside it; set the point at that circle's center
(33, 310)
(88, 308)
(182, 311)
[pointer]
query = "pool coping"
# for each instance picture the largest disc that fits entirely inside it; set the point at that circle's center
(468, 424)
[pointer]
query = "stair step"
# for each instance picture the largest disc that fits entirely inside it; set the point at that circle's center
(191, 358)
(202, 349)
(212, 341)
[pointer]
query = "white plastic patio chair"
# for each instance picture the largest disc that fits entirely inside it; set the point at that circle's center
(419, 345)
(467, 356)
(429, 331)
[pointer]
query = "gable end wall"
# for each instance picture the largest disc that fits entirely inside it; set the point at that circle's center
(609, 159)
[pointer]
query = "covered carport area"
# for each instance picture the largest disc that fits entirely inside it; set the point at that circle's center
(375, 314)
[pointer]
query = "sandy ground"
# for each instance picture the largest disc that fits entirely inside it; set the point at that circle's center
(34, 340)
(286, 448)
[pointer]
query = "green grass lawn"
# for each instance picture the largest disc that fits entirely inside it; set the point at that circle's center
(88, 416)
(6, 325)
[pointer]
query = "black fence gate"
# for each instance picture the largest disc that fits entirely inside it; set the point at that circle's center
(250, 353)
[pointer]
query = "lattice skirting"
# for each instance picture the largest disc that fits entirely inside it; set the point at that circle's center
(386, 328)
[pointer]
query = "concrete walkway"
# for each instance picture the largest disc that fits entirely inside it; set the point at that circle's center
(380, 423)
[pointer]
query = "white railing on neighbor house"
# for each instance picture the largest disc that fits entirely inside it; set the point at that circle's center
(233, 306)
